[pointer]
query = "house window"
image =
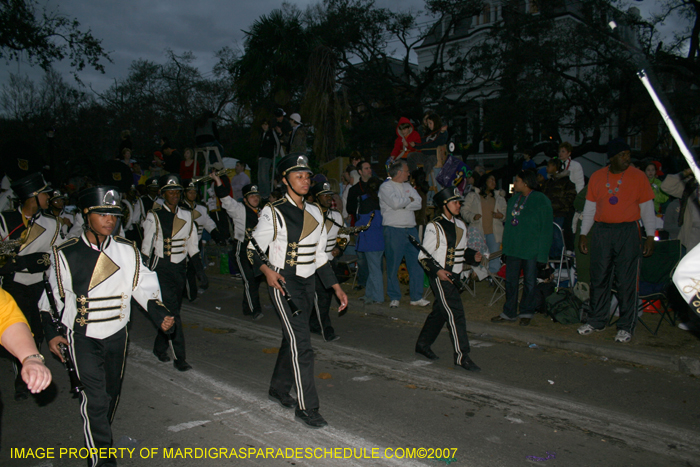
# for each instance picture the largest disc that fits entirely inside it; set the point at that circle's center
(532, 6)
(485, 16)
(635, 141)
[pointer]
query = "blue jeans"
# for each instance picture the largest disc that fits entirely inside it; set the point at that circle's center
(397, 247)
(264, 175)
(363, 268)
(494, 246)
(374, 291)
(513, 267)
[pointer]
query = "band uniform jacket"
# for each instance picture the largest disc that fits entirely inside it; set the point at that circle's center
(296, 240)
(201, 217)
(446, 241)
(245, 218)
(93, 288)
(333, 222)
(170, 236)
(45, 232)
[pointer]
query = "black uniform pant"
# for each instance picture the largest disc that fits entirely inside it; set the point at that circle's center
(27, 298)
(616, 253)
(171, 277)
(195, 272)
(100, 366)
(447, 309)
(251, 297)
(295, 360)
(320, 320)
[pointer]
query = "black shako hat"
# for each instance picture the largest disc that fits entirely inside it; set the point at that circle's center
(323, 188)
(446, 195)
(100, 199)
(170, 182)
(116, 173)
(294, 162)
(30, 186)
(152, 182)
(250, 189)
(57, 194)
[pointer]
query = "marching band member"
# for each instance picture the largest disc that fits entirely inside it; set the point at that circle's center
(93, 279)
(200, 216)
(245, 218)
(22, 276)
(320, 322)
(294, 233)
(445, 239)
(169, 238)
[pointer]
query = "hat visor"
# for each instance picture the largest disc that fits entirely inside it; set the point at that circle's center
(298, 168)
(171, 187)
(324, 192)
(110, 210)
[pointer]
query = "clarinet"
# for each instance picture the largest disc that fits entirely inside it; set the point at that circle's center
(75, 384)
(435, 262)
(264, 258)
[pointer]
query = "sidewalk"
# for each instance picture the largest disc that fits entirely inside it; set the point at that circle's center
(673, 349)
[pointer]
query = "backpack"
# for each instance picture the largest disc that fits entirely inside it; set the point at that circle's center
(563, 307)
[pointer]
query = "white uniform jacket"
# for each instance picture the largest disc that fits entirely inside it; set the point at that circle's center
(305, 255)
(44, 233)
(446, 241)
(332, 228)
(184, 239)
(93, 288)
(201, 217)
(236, 210)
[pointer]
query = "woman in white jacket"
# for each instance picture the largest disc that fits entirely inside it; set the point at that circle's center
(485, 208)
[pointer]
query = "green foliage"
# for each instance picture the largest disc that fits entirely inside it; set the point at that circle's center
(43, 37)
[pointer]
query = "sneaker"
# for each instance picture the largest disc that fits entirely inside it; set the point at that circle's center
(683, 326)
(310, 417)
(332, 337)
(623, 336)
(421, 302)
(587, 329)
(394, 304)
(283, 399)
(257, 316)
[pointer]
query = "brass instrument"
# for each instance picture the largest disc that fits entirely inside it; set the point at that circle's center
(10, 248)
(218, 173)
(342, 242)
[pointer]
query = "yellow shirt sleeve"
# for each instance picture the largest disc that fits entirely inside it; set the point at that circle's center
(9, 312)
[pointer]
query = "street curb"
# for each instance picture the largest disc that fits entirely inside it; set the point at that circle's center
(622, 352)
(681, 363)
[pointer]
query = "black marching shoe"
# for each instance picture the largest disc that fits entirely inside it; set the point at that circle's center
(468, 364)
(310, 417)
(163, 357)
(285, 400)
(182, 365)
(332, 337)
(426, 352)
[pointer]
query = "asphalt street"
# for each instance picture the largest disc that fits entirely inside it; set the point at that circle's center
(528, 405)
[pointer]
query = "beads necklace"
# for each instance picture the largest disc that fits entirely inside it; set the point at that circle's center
(613, 198)
(517, 208)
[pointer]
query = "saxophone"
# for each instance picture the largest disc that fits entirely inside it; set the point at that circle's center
(10, 248)
(342, 242)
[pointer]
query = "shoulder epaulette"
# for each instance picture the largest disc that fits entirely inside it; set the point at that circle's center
(48, 214)
(278, 202)
(67, 243)
(123, 240)
(186, 207)
(156, 206)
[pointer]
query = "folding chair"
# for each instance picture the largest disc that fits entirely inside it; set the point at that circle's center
(499, 281)
(562, 259)
(654, 281)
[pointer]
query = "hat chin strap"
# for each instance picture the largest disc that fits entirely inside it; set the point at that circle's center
(289, 185)
(88, 228)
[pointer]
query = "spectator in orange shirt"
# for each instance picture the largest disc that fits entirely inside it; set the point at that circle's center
(618, 197)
